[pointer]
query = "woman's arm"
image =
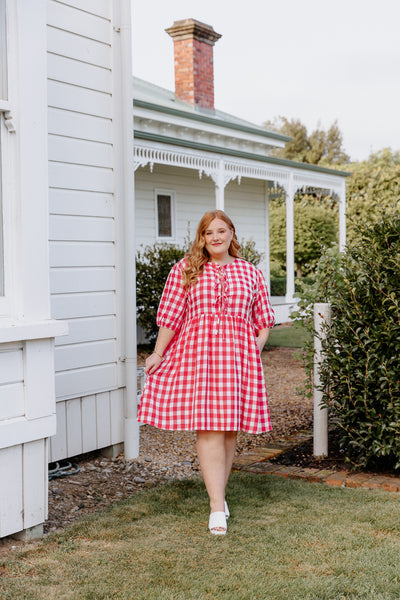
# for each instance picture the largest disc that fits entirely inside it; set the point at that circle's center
(163, 339)
(262, 337)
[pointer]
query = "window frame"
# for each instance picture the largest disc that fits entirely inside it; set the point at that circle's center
(172, 195)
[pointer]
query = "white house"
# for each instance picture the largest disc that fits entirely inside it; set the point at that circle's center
(67, 243)
(67, 222)
(190, 157)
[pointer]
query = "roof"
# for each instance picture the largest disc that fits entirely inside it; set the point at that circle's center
(149, 95)
(153, 97)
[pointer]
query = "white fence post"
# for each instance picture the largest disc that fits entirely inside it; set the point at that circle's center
(322, 315)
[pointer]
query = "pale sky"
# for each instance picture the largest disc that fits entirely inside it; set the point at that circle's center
(315, 60)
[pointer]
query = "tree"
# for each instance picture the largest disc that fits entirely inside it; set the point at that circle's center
(321, 147)
(315, 228)
(373, 188)
(360, 371)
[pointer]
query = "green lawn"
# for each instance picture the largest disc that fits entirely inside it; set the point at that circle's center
(286, 540)
(288, 337)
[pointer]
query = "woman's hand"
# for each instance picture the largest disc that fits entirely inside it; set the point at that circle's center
(152, 363)
(262, 338)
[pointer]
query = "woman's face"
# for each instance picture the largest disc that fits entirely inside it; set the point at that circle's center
(218, 237)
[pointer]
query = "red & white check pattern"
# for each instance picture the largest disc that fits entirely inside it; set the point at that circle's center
(211, 377)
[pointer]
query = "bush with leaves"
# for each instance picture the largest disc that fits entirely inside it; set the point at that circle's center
(314, 227)
(153, 264)
(360, 372)
(320, 288)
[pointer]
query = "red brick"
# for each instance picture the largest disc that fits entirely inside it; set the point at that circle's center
(337, 479)
(374, 482)
(392, 484)
(193, 60)
(357, 480)
(287, 472)
(320, 476)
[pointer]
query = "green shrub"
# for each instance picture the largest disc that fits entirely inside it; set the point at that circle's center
(153, 263)
(249, 252)
(309, 290)
(314, 227)
(278, 286)
(360, 372)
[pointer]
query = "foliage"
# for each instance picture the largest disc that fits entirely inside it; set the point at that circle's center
(372, 188)
(360, 372)
(153, 264)
(309, 291)
(315, 227)
(278, 286)
(321, 147)
(249, 252)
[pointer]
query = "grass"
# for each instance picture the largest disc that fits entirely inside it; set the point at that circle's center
(288, 337)
(286, 540)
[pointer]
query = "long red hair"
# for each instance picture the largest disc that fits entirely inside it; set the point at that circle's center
(198, 256)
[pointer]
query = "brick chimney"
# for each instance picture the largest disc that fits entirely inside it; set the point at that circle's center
(194, 65)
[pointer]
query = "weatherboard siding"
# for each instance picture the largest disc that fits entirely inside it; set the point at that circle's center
(83, 214)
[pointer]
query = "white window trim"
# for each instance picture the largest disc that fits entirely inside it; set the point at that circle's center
(7, 167)
(4, 222)
(171, 193)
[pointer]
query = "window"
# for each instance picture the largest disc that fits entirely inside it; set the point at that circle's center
(165, 214)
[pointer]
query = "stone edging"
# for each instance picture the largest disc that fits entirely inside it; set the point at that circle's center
(258, 462)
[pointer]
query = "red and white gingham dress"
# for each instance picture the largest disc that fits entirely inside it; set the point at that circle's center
(211, 377)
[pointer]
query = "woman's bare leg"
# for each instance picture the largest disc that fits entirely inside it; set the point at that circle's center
(211, 455)
(215, 451)
(230, 449)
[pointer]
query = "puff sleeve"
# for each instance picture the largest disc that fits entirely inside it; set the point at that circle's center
(172, 307)
(262, 311)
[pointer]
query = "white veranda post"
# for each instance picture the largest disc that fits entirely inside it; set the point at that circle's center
(342, 216)
(267, 243)
(322, 316)
(290, 192)
(219, 180)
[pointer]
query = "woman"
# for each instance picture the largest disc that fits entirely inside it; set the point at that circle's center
(205, 373)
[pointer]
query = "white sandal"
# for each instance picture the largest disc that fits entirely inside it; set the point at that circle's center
(227, 513)
(217, 523)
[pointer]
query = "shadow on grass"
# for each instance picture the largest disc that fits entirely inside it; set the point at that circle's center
(286, 539)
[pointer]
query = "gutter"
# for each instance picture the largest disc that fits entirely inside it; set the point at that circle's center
(154, 137)
(131, 426)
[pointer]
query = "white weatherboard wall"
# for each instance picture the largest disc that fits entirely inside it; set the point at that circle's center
(27, 398)
(85, 222)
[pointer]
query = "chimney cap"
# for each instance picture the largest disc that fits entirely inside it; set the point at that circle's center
(190, 28)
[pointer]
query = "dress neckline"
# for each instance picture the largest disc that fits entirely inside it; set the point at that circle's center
(218, 266)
